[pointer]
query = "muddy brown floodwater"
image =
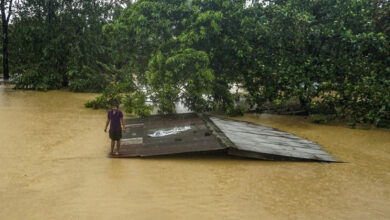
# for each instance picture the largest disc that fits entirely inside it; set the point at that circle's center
(54, 166)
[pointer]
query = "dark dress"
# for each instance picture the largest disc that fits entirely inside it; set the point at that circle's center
(115, 125)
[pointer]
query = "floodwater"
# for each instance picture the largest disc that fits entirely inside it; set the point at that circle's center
(54, 165)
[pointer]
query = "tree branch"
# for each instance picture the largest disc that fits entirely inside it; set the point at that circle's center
(9, 11)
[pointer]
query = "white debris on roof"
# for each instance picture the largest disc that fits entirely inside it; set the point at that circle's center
(175, 130)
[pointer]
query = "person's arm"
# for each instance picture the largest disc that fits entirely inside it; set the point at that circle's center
(123, 124)
(107, 122)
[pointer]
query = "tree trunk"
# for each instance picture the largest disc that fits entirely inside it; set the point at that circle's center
(5, 21)
(5, 51)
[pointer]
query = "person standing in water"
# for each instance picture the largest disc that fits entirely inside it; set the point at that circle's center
(115, 119)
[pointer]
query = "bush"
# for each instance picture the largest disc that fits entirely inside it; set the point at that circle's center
(235, 111)
(322, 108)
(34, 79)
(136, 103)
(112, 93)
(98, 102)
(321, 118)
(384, 123)
(87, 80)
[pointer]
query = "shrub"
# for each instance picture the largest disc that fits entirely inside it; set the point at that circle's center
(235, 111)
(87, 80)
(321, 118)
(112, 93)
(136, 103)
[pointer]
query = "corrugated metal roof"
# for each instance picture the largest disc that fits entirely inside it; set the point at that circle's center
(214, 134)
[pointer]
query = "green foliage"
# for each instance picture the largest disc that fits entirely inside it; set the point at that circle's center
(321, 118)
(193, 52)
(184, 77)
(136, 103)
(235, 111)
(323, 50)
(114, 92)
(322, 107)
(55, 44)
(32, 79)
(97, 103)
(86, 80)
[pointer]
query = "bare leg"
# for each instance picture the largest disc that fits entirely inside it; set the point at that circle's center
(118, 145)
(112, 146)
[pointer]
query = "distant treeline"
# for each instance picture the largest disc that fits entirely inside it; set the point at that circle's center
(331, 55)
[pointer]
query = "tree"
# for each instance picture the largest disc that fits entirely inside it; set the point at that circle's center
(5, 17)
(180, 76)
(61, 44)
(327, 53)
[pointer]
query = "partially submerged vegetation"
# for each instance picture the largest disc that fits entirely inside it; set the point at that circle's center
(332, 56)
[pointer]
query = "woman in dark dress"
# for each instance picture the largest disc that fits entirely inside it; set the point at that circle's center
(115, 119)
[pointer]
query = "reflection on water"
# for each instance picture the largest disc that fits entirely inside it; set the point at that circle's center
(54, 166)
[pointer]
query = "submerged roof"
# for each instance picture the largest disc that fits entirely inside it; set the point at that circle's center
(190, 133)
(138, 141)
(251, 138)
